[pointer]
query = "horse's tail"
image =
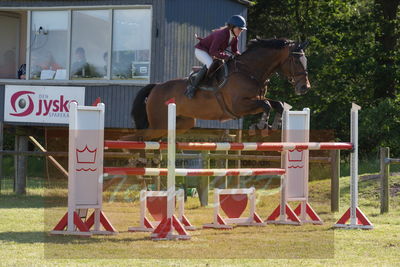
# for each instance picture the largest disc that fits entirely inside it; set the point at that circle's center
(139, 113)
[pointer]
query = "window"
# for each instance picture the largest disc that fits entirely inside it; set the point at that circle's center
(90, 42)
(131, 44)
(48, 45)
(9, 46)
(83, 44)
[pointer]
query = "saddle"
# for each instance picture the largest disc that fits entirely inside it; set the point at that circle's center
(215, 77)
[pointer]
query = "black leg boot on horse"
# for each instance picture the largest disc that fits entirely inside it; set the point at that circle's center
(192, 86)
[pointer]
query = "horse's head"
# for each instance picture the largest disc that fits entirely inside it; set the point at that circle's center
(294, 67)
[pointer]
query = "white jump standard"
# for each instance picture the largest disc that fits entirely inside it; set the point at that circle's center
(170, 227)
(294, 185)
(357, 218)
(85, 173)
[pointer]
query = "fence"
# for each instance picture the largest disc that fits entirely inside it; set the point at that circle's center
(205, 157)
(385, 161)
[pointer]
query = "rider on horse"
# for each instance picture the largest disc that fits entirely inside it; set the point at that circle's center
(213, 47)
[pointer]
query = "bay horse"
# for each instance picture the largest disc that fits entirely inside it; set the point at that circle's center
(239, 96)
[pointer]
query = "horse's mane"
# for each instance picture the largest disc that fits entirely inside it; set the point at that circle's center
(268, 43)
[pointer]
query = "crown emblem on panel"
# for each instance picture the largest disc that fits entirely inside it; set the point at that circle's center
(295, 158)
(86, 155)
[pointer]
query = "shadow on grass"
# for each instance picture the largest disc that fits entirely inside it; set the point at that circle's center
(14, 201)
(46, 238)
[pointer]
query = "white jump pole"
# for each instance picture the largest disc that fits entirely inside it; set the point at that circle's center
(354, 164)
(357, 218)
(165, 230)
(285, 121)
(171, 159)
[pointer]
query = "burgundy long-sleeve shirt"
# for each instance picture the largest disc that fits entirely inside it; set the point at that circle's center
(215, 43)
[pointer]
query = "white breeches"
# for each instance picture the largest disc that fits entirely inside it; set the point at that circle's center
(203, 57)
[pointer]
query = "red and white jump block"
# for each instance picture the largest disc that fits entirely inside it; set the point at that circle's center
(233, 203)
(155, 203)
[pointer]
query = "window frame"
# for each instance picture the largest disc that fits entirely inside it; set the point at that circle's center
(68, 81)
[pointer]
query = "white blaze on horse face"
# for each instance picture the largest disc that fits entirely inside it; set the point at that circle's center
(308, 83)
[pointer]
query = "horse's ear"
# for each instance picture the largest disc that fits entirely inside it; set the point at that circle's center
(304, 45)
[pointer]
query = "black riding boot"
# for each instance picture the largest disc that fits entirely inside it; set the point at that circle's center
(191, 89)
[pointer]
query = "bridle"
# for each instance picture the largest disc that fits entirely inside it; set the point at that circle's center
(291, 58)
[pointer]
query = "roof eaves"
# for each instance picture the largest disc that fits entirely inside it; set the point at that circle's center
(245, 2)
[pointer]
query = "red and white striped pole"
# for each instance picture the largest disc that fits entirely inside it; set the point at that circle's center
(266, 146)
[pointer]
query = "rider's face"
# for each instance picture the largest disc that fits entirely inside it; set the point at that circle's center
(237, 31)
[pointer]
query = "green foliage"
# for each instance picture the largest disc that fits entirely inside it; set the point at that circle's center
(380, 126)
(344, 59)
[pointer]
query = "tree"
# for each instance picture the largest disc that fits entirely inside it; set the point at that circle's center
(387, 38)
(353, 57)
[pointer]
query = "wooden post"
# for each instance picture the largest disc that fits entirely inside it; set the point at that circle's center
(220, 182)
(385, 170)
(226, 167)
(21, 144)
(1, 148)
(158, 155)
(204, 180)
(239, 153)
(50, 158)
(335, 174)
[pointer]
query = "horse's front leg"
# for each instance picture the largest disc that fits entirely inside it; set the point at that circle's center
(278, 107)
(251, 106)
(263, 122)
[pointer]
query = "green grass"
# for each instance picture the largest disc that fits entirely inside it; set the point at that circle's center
(26, 220)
